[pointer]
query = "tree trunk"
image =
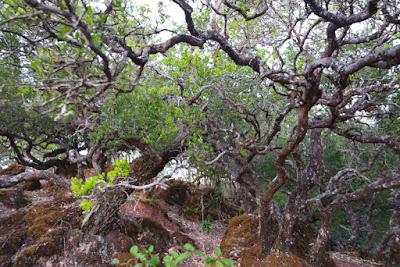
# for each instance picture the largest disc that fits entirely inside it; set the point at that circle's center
(105, 215)
(394, 257)
(317, 251)
(250, 190)
(269, 229)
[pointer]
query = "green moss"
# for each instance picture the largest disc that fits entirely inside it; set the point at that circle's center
(42, 223)
(26, 257)
(148, 200)
(35, 232)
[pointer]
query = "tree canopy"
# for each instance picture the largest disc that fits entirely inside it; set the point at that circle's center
(296, 102)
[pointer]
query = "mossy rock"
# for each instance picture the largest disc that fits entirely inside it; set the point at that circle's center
(36, 232)
(148, 231)
(13, 198)
(147, 200)
(48, 245)
(280, 258)
(275, 259)
(120, 242)
(253, 253)
(26, 257)
(14, 229)
(43, 218)
(241, 233)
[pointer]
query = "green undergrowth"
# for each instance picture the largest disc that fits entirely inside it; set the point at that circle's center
(147, 258)
(80, 187)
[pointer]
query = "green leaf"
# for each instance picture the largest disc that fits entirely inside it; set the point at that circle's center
(150, 249)
(199, 252)
(90, 10)
(183, 256)
(189, 247)
(154, 260)
(217, 251)
(89, 20)
(115, 261)
(219, 264)
(141, 256)
(210, 259)
(174, 254)
(226, 262)
(134, 250)
(167, 260)
(138, 265)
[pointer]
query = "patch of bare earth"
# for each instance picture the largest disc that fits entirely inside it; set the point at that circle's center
(202, 241)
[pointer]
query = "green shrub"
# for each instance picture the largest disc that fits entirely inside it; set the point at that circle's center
(206, 225)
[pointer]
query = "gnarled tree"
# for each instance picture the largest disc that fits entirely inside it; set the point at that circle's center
(312, 85)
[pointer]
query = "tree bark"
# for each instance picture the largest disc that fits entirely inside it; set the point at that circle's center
(317, 251)
(105, 215)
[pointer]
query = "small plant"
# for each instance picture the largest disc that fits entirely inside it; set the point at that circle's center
(145, 257)
(218, 261)
(80, 187)
(206, 225)
(173, 259)
(240, 211)
(190, 209)
(148, 259)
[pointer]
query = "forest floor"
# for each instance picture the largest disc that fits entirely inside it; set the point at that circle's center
(204, 241)
(190, 226)
(207, 242)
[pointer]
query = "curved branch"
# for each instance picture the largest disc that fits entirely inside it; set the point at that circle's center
(390, 141)
(384, 59)
(243, 13)
(341, 20)
(32, 176)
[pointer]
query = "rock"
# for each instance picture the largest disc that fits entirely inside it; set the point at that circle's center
(176, 193)
(147, 222)
(11, 200)
(28, 235)
(240, 234)
(278, 259)
(121, 242)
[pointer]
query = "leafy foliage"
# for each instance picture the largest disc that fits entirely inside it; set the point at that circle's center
(206, 225)
(87, 187)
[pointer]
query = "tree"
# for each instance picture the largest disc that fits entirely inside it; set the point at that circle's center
(313, 86)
